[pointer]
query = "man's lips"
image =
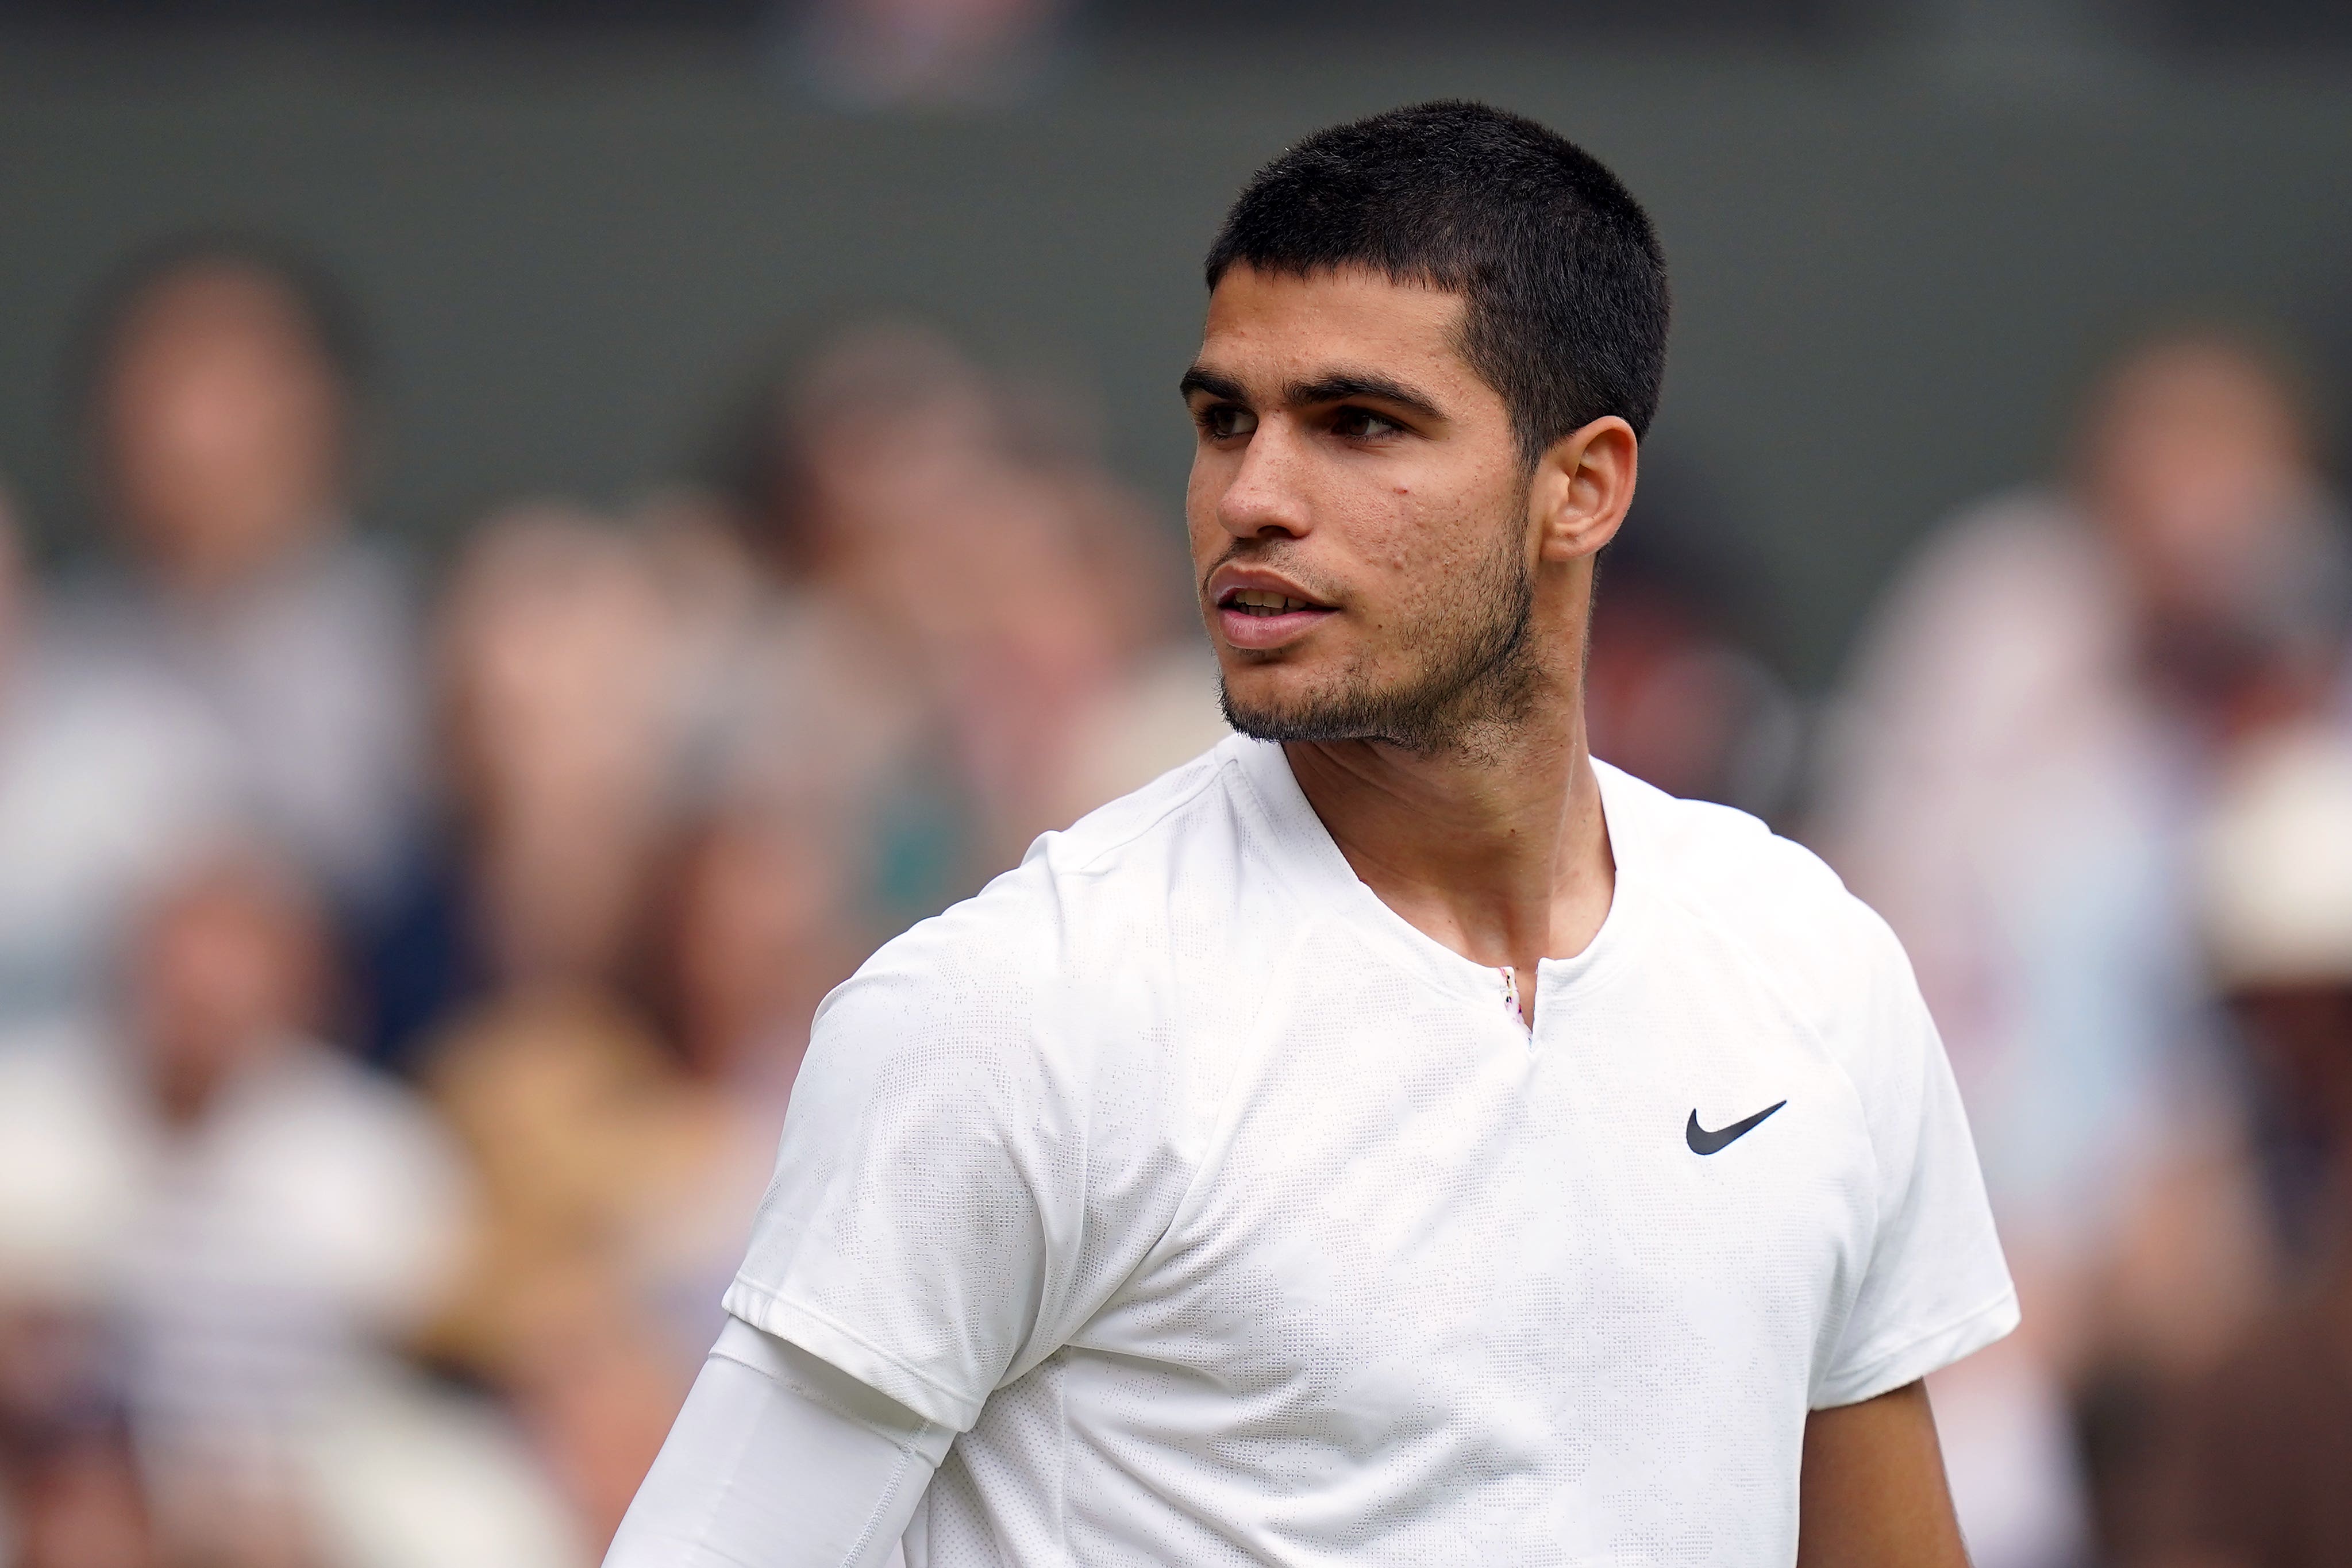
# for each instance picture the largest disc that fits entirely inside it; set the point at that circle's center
(1247, 629)
(1260, 611)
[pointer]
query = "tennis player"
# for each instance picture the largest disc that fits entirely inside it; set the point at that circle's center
(1396, 1136)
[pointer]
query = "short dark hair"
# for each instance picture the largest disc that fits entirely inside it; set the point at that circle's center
(1563, 282)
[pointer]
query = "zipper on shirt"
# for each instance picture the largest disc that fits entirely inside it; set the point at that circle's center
(1511, 998)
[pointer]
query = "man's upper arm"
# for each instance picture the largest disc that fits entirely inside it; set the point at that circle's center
(928, 1178)
(778, 1460)
(1872, 1493)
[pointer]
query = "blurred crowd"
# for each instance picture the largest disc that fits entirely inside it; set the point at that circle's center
(403, 971)
(400, 984)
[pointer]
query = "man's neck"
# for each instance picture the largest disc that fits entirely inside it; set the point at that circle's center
(1502, 855)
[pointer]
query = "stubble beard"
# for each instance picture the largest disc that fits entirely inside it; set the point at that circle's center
(1474, 683)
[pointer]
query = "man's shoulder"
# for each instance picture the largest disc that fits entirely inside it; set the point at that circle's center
(1104, 893)
(1824, 948)
(1077, 968)
(1129, 842)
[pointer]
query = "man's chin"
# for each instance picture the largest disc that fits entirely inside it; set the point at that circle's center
(1415, 720)
(1271, 715)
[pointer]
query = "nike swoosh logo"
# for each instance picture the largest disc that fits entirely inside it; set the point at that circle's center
(1703, 1142)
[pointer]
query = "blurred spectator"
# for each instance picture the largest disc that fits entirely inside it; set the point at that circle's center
(221, 385)
(264, 1224)
(851, 474)
(588, 1004)
(967, 642)
(622, 1159)
(2255, 1473)
(744, 941)
(873, 54)
(105, 775)
(305, 1218)
(2030, 728)
(559, 711)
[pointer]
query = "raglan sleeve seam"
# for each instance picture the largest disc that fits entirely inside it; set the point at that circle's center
(829, 1341)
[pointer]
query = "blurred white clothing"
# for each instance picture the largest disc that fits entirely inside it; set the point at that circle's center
(75, 1166)
(314, 1212)
(276, 1251)
(2006, 797)
(316, 1206)
(107, 776)
(400, 1474)
(2275, 861)
(260, 1264)
(310, 671)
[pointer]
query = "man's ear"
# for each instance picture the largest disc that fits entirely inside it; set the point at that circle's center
(1582, 485)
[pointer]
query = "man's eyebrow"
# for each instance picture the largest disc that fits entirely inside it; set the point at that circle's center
(1201, 379)
(1339, 386)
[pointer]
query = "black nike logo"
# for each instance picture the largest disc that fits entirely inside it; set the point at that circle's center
(1703, 1142)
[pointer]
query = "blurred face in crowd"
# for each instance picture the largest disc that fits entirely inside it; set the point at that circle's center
(2196, 464)
(1359, 515)
(221, 426)
(555, 647)
(227, 964)
(756, 935)
(926, 516)
(897, 441)
(557, 662)
(937, 524)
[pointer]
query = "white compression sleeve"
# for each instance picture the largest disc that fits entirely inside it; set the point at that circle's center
(778, 1460)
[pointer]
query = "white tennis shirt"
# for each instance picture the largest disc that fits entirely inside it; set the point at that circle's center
(1230, 1220)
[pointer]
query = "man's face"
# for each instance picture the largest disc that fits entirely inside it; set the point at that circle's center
(1359, 514)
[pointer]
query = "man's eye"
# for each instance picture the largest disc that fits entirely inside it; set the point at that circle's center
(1361, 424)
(1223, 420)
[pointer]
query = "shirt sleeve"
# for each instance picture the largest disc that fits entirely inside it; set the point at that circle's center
(1935, 1286)
(778, 1460)
(928, 1190)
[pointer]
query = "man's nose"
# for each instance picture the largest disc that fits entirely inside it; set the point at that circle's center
(1266, 496)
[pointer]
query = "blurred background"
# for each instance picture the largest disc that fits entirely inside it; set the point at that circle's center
(520, 530)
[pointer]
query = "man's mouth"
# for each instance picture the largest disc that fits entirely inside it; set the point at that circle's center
(1262, 619)
(1260, 602)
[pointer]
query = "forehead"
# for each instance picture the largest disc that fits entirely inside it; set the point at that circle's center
(2214, 385)
(212, 307)
(1286, 325)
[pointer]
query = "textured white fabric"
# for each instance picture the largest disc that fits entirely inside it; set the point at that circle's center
(1231, 1219)
(778, 1460)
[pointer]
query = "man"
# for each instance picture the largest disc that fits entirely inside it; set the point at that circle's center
(1394, 1137)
